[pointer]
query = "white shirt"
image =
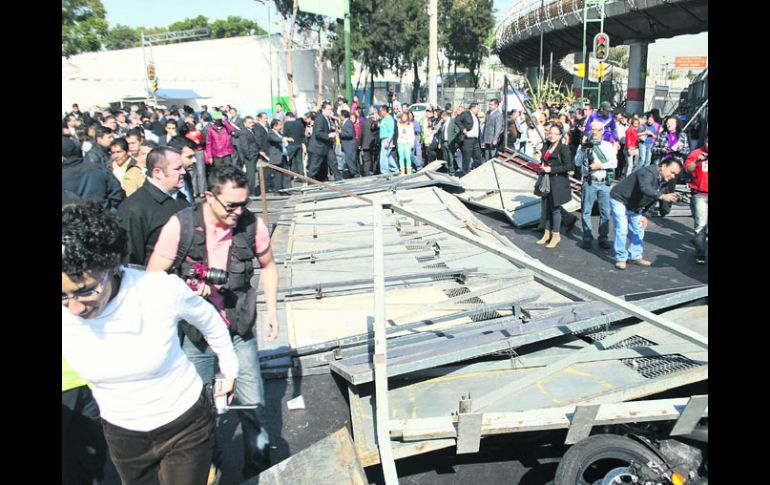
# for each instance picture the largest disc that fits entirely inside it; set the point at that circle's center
(609, 152)
(474, 132)
(131, 355)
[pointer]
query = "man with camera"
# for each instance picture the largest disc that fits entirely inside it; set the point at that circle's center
(597, 160)
(219, 233)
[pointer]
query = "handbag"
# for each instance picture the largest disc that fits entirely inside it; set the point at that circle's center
(542, 185)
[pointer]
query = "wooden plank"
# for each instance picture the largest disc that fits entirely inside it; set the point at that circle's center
(555, 418)
(469, 433)
(380, 351)
(571, 282)
(428, 428)
(323, 462)
(582, 422)
(691, 414)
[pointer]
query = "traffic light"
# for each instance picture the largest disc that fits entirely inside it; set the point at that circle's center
(580, 70)
(600, 70)
(154, 85)
(601, 46)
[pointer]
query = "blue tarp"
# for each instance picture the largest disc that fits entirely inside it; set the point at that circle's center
(178, 94)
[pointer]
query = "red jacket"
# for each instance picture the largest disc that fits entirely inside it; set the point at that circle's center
(632, 138)
(700, 176)
(218, 141)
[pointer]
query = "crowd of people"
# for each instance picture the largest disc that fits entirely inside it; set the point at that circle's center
(153, 217)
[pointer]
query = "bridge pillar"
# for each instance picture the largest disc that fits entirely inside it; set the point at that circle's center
(637, 74)
(533, 74)
(577, 81)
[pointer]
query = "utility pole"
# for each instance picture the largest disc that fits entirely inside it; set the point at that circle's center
(269, 48)
(542, 24)
(433, 52)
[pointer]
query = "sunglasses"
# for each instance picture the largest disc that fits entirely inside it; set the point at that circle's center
(231, 206)
(87, 294)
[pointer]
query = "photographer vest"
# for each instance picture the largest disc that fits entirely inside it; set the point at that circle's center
(240, 299)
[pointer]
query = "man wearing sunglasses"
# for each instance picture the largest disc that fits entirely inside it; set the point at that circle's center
(219, 232)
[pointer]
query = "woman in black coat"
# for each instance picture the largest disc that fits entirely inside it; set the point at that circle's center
(557, 163)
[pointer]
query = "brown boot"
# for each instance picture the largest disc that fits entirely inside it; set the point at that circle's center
(555, 238)
(546, 237)
(403, 172)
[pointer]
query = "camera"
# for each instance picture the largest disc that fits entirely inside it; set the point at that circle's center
(200, 273)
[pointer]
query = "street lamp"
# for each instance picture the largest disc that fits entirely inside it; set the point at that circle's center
(270, 48)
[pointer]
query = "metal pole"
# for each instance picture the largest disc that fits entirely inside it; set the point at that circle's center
(433, 52)
(541, 70)
(550, 69)
(270, 52)
(144, 56)
(265, 214)
(314, 181)
(505, 110)
(348, 86)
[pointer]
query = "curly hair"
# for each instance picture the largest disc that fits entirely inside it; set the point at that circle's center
(91, 240)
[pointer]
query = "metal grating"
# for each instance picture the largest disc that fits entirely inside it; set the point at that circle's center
(440, 265)
(631, 342)
(658, 366)
(474, 300)
(425, 259)
(415, 246)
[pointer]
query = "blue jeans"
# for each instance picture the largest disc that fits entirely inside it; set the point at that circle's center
(387, 164)
(699, 204)
(590, 194)
(404, 156)
(645, 156)
(626, 221)
(249, 389)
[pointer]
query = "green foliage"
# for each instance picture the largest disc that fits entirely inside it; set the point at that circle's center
(464, 29)
(619, 56)
(199, 22)
(83, 26)
(235, 27)
(548, 93)
(121, 37)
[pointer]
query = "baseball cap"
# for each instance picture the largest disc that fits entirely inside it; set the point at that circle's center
(216, 115)
(607, 105)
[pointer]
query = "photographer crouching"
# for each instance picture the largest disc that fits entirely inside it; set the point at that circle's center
(597, 160)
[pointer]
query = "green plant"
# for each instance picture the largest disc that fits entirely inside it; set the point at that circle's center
(548, 93)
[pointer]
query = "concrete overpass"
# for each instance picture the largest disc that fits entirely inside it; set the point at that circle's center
(628, 22)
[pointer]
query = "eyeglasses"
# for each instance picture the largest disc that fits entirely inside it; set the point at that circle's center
(86, 294)
(231, 206)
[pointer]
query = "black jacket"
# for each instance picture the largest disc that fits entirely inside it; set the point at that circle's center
(91, 181)
(275, 152)
(369, 134)
(247, 143)
(261, 133)
(348, 137)
(294, 129)
(640, 190)
(320, 143)
(465, 122)
(99, 156)
(143, 215)
(560, 162)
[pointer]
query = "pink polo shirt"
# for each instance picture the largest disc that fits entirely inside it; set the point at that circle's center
(219, 237)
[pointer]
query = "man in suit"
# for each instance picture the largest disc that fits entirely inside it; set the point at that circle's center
(349, 144)
(171, 132)
(448, 131)
(294, 129)
(470, 147)
(148, 209)
(248, 148)
(321, 156)
(493, 128)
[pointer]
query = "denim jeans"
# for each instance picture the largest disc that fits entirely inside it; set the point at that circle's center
(590, 194)
(699, 204)
(249, 390)
(404, 156)
(645, 156)
(625, 222)
(387, 164)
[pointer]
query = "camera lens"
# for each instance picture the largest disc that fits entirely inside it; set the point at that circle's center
(216, 276)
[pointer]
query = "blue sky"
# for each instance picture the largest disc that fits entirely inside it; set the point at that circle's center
(151, 13)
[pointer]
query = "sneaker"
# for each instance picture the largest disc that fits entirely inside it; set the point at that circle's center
(620, 265)
(586, 244)
(700, 259)
(605, 245)
(640, 262)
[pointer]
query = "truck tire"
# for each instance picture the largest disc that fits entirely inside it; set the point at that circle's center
(601, 457)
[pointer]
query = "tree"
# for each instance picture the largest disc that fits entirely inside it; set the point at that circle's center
(464, 27)
(235, 27)
(199, 22)
(619, 56)
(121, 37)
(83, 26)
